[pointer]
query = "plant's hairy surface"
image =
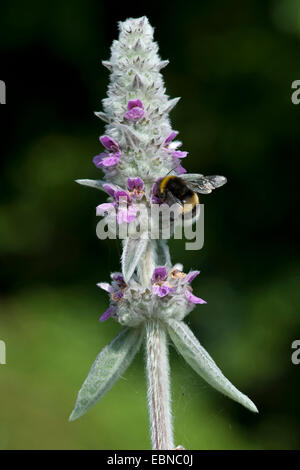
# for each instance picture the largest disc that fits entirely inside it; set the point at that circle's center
(159, 397)
(199, 359)
(150, 297)
(108, 367)
(133, 250)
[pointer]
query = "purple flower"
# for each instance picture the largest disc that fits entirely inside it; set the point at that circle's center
(191, 276)
(108, 313)
(162, 289)
(105, 160)
(179, 154)
(135, 187)
(115, 289)
(192, 298)
(116, 296)
(126, 210)
(188, 291)
(165, 282)
(115, 193)
(134, 104)
(171, 137)
(126, 214)
(122, 196)
(110, 189)
(135, 110)
(118, 277)
(171, 148)
(109, 144)
(180, 170)
(109, 159)
(135, 183)
(160, 274)
(174, 282)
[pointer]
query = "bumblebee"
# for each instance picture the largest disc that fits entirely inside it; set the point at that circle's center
(184, 189)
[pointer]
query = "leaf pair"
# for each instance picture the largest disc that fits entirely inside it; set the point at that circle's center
(115, 358)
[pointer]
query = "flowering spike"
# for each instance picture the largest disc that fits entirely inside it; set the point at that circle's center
(135, 75)
(150, 295)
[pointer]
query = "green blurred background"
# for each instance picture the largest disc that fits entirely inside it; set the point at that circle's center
(233, 64)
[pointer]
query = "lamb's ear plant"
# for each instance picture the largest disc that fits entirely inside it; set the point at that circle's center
(150, 297)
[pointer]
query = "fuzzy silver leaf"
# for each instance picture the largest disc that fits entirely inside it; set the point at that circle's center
(98, 184)
(133, 249)
(163, 257)
(108, 367)
(199, 359)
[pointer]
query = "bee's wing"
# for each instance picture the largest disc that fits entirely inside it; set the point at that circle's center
(203, 184)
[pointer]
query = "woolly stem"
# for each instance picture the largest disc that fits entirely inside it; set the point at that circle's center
(146, 265)
(159, 396)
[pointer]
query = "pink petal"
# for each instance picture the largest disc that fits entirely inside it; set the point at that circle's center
(109, 143)
(180, 170)
(171, 137)
(192, 298)
(131, 213)
(191, 276)
(134, 103)
(122, 215)
(108, 313)
(97, 160)
(122, 197)
(159, 274)
(135, 183)
(118, 295)
(117, 277)
(134, 114)
(162, 290)
(109, 189)
(179, 154)
(109, 161)
(105, 286)
(126, 214)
